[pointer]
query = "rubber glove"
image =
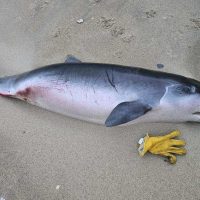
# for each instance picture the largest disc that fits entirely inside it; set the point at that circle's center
(162, 145)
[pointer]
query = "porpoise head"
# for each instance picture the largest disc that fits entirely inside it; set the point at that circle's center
(182, 99)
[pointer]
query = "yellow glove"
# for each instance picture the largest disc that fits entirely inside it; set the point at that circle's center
(162, 145)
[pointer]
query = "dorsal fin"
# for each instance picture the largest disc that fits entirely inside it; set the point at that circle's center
(71, 59)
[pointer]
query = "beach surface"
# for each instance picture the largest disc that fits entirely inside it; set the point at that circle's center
(44, 155)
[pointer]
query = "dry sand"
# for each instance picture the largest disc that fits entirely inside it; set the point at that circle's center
(40, 150)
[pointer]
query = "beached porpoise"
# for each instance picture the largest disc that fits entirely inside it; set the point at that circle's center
(106, 93)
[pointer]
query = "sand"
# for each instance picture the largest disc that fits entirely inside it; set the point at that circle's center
(44, 155)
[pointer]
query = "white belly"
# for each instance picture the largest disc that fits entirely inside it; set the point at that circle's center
(81, 103)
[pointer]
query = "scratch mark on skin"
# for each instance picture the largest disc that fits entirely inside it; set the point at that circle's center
(93, 89)
(71, 94)
(59, 85)
(93, 85)
(86, 95)
(111, 80)
(97, 79)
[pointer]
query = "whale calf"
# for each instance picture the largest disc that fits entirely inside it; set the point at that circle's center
(107, 94)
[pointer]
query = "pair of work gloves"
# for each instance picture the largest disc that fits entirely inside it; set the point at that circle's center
(165, 146)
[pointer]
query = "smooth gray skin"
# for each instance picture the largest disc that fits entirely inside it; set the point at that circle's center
(107, 94)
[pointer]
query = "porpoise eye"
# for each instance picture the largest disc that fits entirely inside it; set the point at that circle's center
(186, 89)
(193, 89)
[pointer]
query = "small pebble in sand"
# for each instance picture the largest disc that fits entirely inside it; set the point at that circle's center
(80, 21)
(150, 14)
(160, 66)
(57, 187)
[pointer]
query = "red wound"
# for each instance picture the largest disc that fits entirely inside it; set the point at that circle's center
(25, 94)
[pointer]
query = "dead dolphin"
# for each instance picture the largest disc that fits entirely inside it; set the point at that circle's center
(107, 94)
